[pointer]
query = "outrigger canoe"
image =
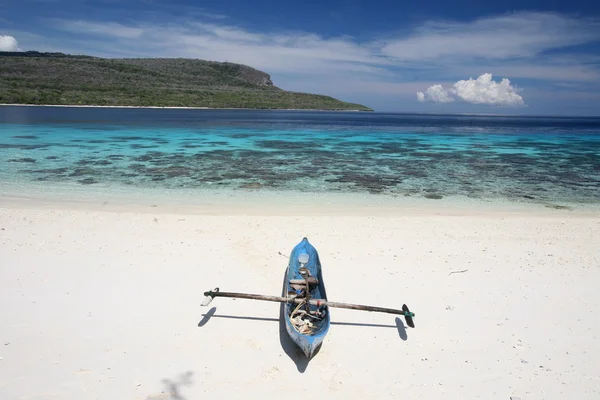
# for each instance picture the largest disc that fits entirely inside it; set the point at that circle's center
(307, 323)
(306, 313)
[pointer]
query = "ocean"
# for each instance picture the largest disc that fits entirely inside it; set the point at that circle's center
(553, 161)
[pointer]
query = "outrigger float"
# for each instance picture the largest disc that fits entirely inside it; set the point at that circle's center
(306, 314)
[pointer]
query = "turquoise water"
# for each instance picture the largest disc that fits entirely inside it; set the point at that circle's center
(510, 158)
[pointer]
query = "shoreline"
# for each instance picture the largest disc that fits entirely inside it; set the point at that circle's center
(180, 108)
(314, 110)
(270, 203)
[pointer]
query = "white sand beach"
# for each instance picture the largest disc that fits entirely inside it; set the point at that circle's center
(104, 303)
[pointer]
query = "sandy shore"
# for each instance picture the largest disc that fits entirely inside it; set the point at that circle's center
(105, 304)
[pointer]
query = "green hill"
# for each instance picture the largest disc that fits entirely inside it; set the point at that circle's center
(60, 79)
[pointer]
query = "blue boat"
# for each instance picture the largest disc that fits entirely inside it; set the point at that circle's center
(305, 304)
(307, 323)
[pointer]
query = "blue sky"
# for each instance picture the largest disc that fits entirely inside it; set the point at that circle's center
(511, 57)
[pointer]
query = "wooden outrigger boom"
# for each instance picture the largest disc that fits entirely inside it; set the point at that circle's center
(405, 312)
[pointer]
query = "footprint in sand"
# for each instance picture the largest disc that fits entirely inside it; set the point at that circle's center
(271, 373)
(253, 344)
(83, 371)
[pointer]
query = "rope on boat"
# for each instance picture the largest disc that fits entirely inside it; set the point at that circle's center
(298, 316)
(298, 307)
(304, 326)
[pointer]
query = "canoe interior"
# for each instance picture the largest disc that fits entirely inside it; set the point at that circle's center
(317, 292)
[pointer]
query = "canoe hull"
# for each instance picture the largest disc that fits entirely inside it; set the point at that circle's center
(308, 343)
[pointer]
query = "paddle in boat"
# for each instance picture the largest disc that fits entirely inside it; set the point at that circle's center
(306, 313)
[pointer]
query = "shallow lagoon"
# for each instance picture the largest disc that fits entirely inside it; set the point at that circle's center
(528, 159)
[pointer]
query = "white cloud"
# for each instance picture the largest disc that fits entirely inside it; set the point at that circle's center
(210, 15)
(541, 70)
(230, 33)
(435, 93)
(8, 43)
(100, 28)
(522, 34)
(300, 53)
(483, 90)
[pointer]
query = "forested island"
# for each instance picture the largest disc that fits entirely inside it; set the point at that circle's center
(61, 79)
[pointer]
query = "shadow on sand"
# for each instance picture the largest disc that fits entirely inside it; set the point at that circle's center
(401, 329)
(287, 344)
(172, 388)
(289, 347)
(211, 314)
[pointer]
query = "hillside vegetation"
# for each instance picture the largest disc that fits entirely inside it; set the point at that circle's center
(60, 79)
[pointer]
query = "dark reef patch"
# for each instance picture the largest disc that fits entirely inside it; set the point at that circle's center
(142, 146)
(83, 171)
(23, 146)
(87, 181)
(23, 160)
(251, 185)
(559, 207)
(51, 171)
(93, 162)
(143, 158)
(102, 162)
(127, 138)
(372, 183)
(217, 143)
(25, 137)
(284, 145)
